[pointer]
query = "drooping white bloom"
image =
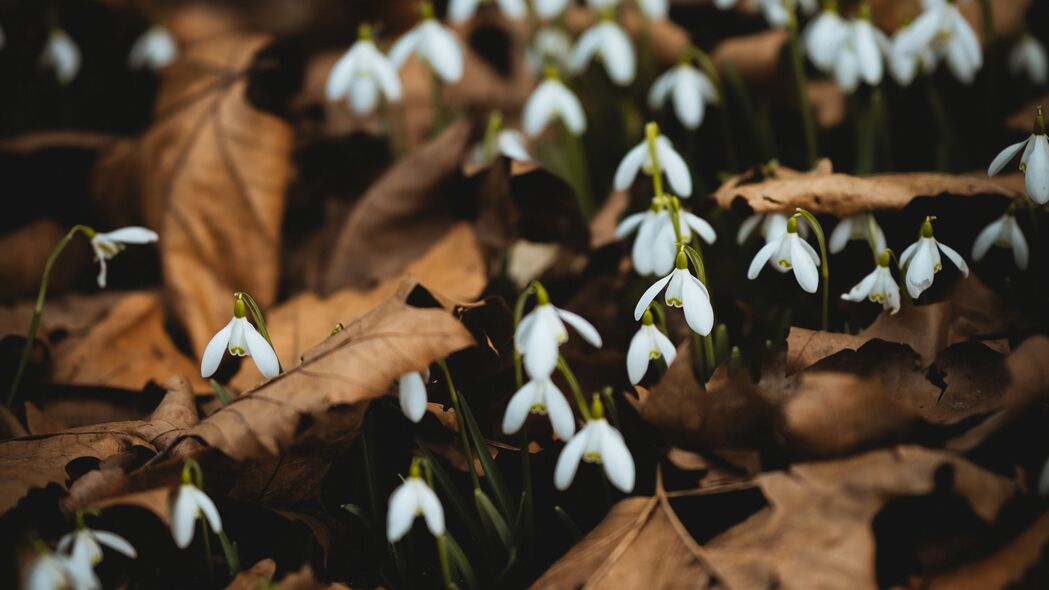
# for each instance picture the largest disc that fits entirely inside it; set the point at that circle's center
(549, 9)
(878, 286)
(106, 245)
(858, 56)
(823, 36)
(190, 504)
(647, 225)
(775, 11)
(48, 572)
(1034, 162)
(607, 41)
(499, 141)
(856, 227)
(86, 544)
(411, 499)
(921, 261)
(155, 49)
(905, 65)
(647, 344)
(944, 29)
(62, 55)
(540, 396)
(362, 74)
(1028, 58)
(553, 100)
(597, 442)
(772, 226)
(549, 46)
(411, 392)
(1003, 232)
(433, 43)
(685, 291)
(789, 252)
(240, 338)
(689, 89)
(656, 244)
(460, 11)
(542, 331)
(654, 9)
(670, 162)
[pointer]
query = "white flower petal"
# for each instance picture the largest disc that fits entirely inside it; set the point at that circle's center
(540, 354)
(839, 238)
(184, 517)
(585, 328)
(675, 168)
(689, 101)
(560, 413)
(207, 508)
(1005, 156)
(861, 290)
(404, 47)
(747, 227)
(629, 166)
(132, 235)
(804, 267)
(657, 94)
(519, 407)
(954, 257)
(666, 347)
(1019, 244)
(401, 513)
(1036, 179)
(649, 295)
(761, 258)
(569, 109)
(261, 352)
(431, 507)
(512, 145)
(618, 55)
(568, 460)
(699, 315)
(701, 227)
(444, 53)
(629, 224)
(411, 393)
(115, 542)
(616, 458)
(637, 356)
(213, 352)
(986, 238)
(460, 11)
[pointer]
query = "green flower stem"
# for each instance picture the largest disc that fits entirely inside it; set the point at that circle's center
(220, 392)
(441, 541)
(824, 266)
(579, 175)
(459, 421)
(651, 134)
(580, 399)
(801, 82)
(206, 530)
(38, 308)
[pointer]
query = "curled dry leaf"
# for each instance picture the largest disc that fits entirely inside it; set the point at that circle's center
(400, 216)
(825, 191)
(210, 177)
(35, 461)
(813, 530)
(350, 368)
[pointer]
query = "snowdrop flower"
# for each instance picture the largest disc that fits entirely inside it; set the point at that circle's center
(240, 338)
(664, 247)
(878, 286)
(106, 245)
(685, 291)
(411, 499)
(824, 35)
(542, 331)
(85, 545)
(647, 224)
(540, 396)
(856, 227)
(904, 66)
(48, 572)
(640, 158)
(858, 56)
(434, 44)
(411, 391)
(460, 11)
(192, 503)
(790, 252)
(607, 41)
(1003, 232)
(647, 344)
(944, 29)
(1034, 162)
(654, 9)
(690, 90)
(772, 226)
(362, 74)
(921, 261)
(1028, 58)
(550, 45)
(155, 48)
(62, 55)
(549, 9)
(775, 11)
(499, 141)
(552, 99)
(597, 442)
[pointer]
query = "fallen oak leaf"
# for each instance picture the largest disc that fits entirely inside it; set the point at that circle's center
(210, 175)
(823, 191)
(350, 368)
(34, 461)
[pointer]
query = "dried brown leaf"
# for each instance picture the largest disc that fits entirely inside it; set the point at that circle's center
(824, 191)
(210, 175)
